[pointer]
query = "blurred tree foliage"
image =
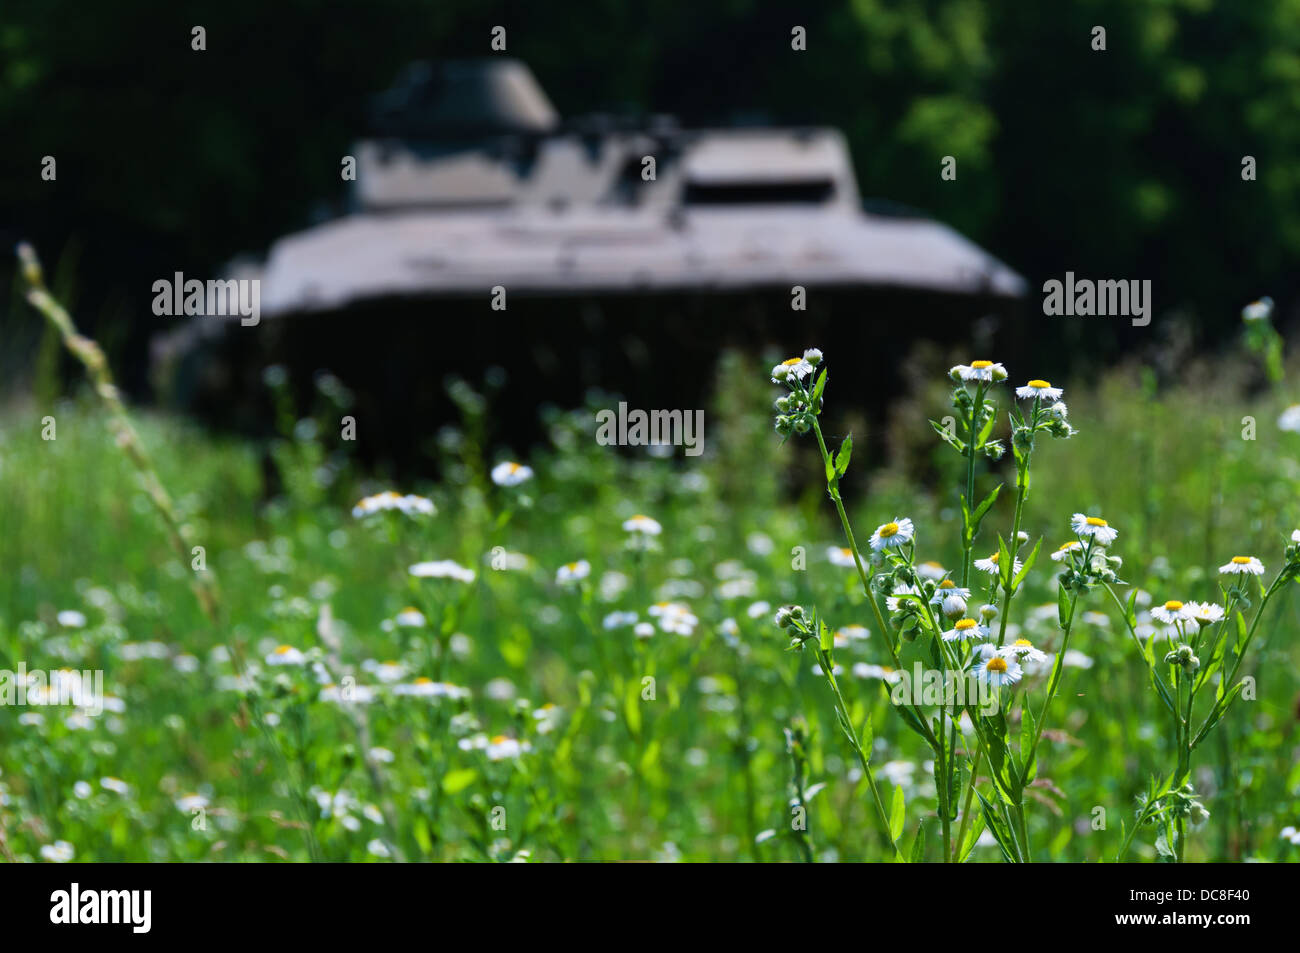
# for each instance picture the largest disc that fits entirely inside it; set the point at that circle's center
(1117, 163)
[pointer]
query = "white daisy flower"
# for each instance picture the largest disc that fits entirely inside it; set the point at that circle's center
(1290, 419)
(1023, 649)
(570, 573)
(986, 371)
(618, 620)
(643, 630)
(501, 747)
(892, 535)
(377, 848)
(881, 672)
(1173, 612)
(902, 589)
(950, 597)
(425, 687)
(410, 618)
(1259, 310)
(1295, 535)
(759, 609)
(60, 852)
(82, 790)
(998, 670)
(116, 785)
(990, 565)
(674, 617)
(840, 556)
(1206, 613)
(509, 473)
(931, 570)
(964, 630)
(1066, 548)
(1039, 390)
(642, 524)
(286, 655)
(853, 632)
(796, 367)
(71, 619)
(1242, 564)
(1073, 658)
(192, 802)
(1094, 526)
(386, 672)
(443, 569)
(410, 504)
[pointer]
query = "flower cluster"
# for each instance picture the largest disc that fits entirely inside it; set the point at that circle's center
(795, 410)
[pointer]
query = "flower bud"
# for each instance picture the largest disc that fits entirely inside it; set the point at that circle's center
(988, 612)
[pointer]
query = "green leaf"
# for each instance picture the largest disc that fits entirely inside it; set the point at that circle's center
(1005, 563)
(897, 815)
(453, 782)
(918, 844)
(818, 388)
(1062, 605)
(842, 458)
(987, 502)
(1029, 562)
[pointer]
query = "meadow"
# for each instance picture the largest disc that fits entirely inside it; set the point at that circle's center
(583, 653)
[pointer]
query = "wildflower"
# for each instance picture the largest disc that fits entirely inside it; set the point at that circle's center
(990, 565)
(998, 670)
(1065, 550)
(1024, 649)
(116, 785)
(1173, 612)
(286, 655)
(988, 612)
(983, 371)
(617, 620)
(1205, 613)
(964, 630)
(501, 747)
(1260, 310)
(410, 504)
(892, 535)
(548, 718)
(377, 848)
(758, 609)
(424, 687)
(410, 618)
(509, 473)
(82, 789)
(1242, 564)
(60, 852)
(840, 556)
(1039, 390)
(71, 619)
(643, 630)
(902, 589)
(1073, 658)
(951, 598)
(796, 367)
(192, 802)
(570, 573)
(882, 672)
(853, 632)
(642, 524)
(674, 617)
(1290, 419)
(385, 671)
(1094, 526)
(931, 570)
(443, 569)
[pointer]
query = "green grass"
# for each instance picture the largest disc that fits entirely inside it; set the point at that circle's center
(699, 771)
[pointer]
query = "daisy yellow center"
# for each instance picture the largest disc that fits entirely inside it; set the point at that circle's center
(1096, 521)
(1072, 544)
(996, 664)
(846, 552)
(499, 739)
(390, 664)
(791, 362)
(410, 609)
(964, 624)
(947, 584)
(980, 365)
(1024, 642)
(424, 680)
(1173, 605)
(572, 567)
(1039, 385)
(889, 529)
(1241, 560)
(284, 650)
(512, 467)
(994, 557)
